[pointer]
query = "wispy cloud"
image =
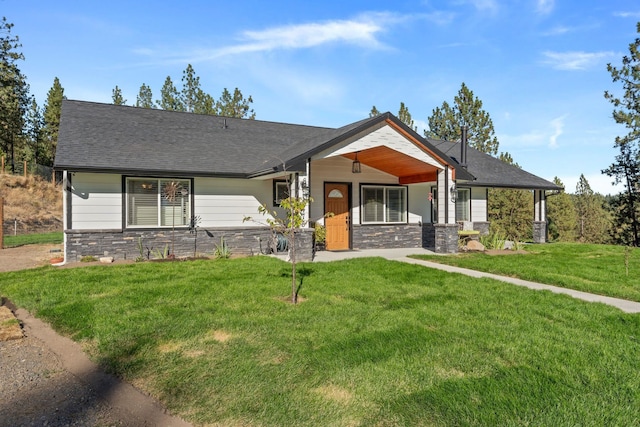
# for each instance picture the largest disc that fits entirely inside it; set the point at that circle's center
(572, 61)
(545, 7)
(485, 5)
(546, 134)
(627, 14)
(557, 125)
(363, 31)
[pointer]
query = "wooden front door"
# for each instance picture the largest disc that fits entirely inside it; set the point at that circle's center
(338, 223)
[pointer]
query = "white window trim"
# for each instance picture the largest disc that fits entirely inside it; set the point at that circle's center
(468, 203)
(405, 209)
(276, 186)
(158, 202)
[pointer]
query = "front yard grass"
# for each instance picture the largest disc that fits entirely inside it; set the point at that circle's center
(598, 269)
(373, 343)
(53, 237)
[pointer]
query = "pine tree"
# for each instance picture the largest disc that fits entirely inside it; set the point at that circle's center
(145, 97)
(561, 214)
(235, 105)
(170, 98)
(626, 212)
(14, 92)
(405, 117)
(627, 165)
(593, 223)
(510, 211)
(191, 91)
(52, 109)
(445, 122)
(374, 112)
(116, 96)
(34, 127)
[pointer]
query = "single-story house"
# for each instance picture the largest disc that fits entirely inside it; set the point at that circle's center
(375, 183)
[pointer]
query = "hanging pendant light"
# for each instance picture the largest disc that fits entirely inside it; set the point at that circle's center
(355, 167)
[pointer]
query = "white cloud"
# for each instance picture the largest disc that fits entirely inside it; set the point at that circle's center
(598, 182)
(548, 136)
(627, 14)
(440, 17)
(557, 30)
(574, 60)
(363, 31)
(557, 125)
(545, 6)
(485, 5)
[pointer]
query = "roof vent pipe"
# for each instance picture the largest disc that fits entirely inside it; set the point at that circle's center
(464, 129)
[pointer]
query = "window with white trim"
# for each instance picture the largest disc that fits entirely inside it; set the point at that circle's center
(433, 198)
(381, 204)
(156, 202)
(463, 204)
(280, 192)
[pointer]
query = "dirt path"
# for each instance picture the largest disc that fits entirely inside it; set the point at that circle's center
(46, 379)
(28, 256)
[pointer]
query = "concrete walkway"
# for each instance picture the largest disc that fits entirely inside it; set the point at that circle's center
(402, 255)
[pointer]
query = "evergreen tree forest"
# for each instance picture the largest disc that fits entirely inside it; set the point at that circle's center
(29, 131)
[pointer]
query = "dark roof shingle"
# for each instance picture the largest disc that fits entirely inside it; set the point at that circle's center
(110, 138)
(492, 172)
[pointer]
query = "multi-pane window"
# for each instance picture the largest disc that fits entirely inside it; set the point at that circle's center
(280, 192)
(463, 204)
(433, 197)
(153, 202)
(384, 204)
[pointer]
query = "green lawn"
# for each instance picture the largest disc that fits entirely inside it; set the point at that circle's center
(33, 239)
(373, 343)
(599, 269)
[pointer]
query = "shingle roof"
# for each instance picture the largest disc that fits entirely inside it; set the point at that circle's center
(105, 137)
(492, 172)
(109, 138)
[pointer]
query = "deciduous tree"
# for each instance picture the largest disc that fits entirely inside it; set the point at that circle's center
(374, 112)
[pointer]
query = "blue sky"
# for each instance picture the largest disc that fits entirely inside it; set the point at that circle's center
(539, 66)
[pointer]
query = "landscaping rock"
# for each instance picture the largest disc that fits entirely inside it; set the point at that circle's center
(474, 245)
(106, 259)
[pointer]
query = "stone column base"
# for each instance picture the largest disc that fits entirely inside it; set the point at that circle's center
(446, 238)
(539, 231)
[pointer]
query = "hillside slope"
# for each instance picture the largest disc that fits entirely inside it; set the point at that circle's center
(32, 204)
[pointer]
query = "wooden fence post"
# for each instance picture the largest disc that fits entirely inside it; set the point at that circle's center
(2, 166)
(1, 223)
(25, 168)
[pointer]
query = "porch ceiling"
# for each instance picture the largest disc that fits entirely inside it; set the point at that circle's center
(408, 169)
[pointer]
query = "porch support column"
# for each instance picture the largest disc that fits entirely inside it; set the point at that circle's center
(66, 210)
(539, 216)
(446, 229)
